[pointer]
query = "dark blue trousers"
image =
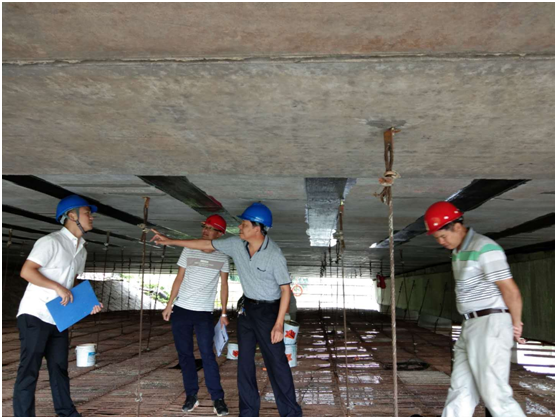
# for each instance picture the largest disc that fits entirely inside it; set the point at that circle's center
(40, 339)
(184, 322)
(254, 328)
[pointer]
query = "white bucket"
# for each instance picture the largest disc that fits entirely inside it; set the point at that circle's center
(232, 352)
(291, 329)
(291, 352)
(86, 355)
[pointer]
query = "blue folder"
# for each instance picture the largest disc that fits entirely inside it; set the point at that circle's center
(84, 299)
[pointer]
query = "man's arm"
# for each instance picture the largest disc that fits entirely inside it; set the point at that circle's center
(30, 272)
(196, 244)
(277, 334)
(174, 293)
(513, 300)
(224, 297)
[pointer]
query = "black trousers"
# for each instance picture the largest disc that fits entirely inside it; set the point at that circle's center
(254, 328)
(184, 322)
(38, 340)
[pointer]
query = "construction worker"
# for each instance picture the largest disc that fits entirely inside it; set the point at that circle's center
(266, 284)
(51, 269)
(193, 294)
(489, 301)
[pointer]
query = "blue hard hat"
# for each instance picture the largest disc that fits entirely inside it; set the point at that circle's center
(72, 202)
(258, 213)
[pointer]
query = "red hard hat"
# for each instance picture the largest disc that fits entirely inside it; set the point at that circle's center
(440, 214)
(217, 222)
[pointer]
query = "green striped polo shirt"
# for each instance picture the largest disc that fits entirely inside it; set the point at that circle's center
(477, 266)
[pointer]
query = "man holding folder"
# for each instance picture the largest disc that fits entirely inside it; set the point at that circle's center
(193, 295)
(51, 269)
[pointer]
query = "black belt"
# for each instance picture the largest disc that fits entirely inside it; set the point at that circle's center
(249, 300)
(485, 312)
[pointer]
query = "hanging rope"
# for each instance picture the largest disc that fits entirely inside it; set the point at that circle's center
(330, 262)
(98, 316)
(138, 395)
(8, 245)
(129, 283)
(105, 248)
(111, 280)
(160, 273)
(423, 300)
(342, 248)
(386, 194)
(408, 297)
(442, 306)
(156, 298)
(150, 287)
(122, 296)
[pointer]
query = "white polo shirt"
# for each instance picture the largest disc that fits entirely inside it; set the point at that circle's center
(61, 259)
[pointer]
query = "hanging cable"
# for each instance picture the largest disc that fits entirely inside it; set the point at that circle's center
(442, 306)
(8, 245)
(129, 283)
(423, 299)
(98, 316)
(105, 248)
(138, 395)
(122, 294)
(111, 285)
(156, 298)
(342, 248)
(387, 195)
(408, 297)
(330, 262)
(160, 274)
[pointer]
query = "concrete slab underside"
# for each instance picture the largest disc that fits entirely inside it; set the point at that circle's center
(311, 119)
(108, 389)
(262, 97)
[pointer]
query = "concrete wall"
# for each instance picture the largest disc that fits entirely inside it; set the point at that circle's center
(534, 273)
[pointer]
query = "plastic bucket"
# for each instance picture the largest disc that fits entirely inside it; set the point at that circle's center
(86, 355)
(232, 352)
(291, 352)
(291, 329)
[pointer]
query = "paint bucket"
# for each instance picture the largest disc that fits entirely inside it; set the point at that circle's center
(232, 351)
(291, 329)
(86, 355)
(291, 352)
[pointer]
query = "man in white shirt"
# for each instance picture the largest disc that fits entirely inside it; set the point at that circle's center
(51, 269)
(193, 294)
(490, 303)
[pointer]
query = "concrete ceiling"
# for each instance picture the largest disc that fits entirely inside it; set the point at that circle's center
(248, 100)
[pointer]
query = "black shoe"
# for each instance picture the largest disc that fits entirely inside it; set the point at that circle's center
(190, 403)
(220, 408)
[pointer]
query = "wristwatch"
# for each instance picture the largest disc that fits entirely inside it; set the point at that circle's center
(224, 315)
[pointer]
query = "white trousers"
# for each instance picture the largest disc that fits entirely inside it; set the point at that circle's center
(482, 364)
